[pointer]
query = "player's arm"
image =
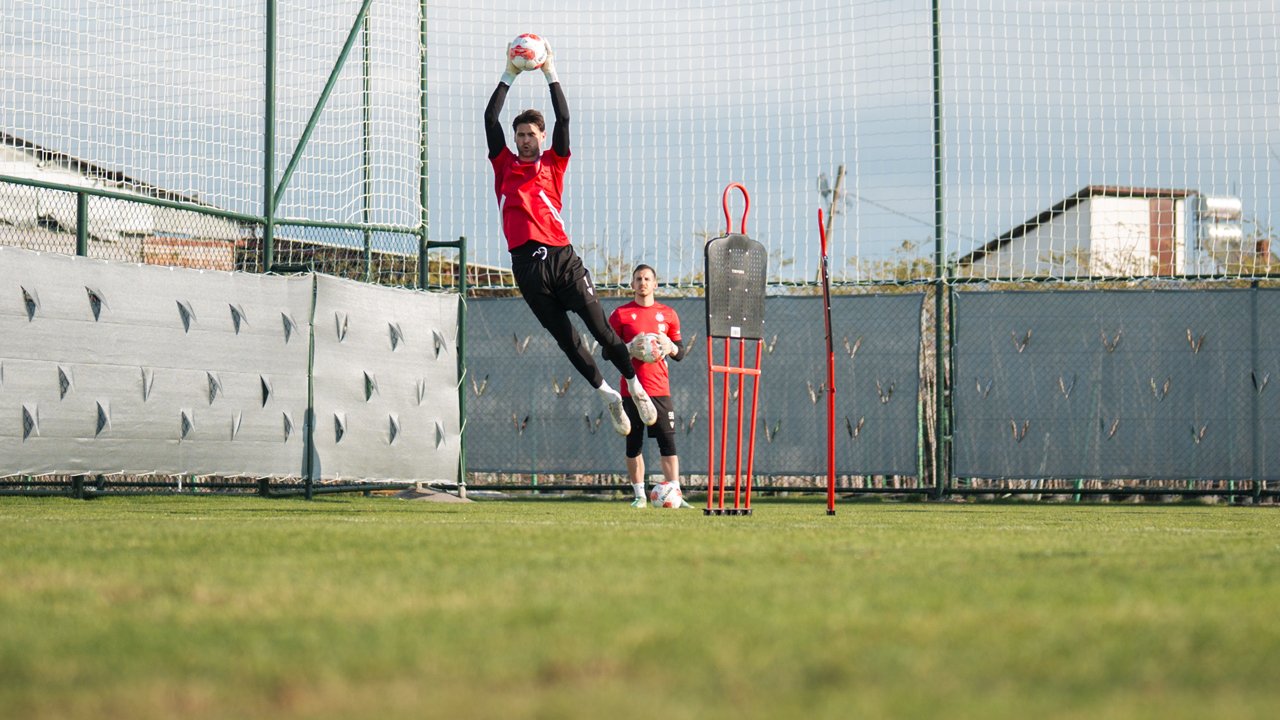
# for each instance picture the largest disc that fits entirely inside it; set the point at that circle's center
(492, 126)
(676, 349)
(672, 348)
(560, 129)
(493, 111)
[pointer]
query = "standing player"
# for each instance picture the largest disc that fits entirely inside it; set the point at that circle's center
(644, 315)
(529, 184)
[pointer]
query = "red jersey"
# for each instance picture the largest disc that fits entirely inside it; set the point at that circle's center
(529, 198)
(629, 321)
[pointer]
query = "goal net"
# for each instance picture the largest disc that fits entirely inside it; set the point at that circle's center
(1072, 139)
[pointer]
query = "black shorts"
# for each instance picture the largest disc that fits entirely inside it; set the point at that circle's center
(552, 277)
(664, 431)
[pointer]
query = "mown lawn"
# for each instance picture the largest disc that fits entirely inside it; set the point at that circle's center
(353, 607)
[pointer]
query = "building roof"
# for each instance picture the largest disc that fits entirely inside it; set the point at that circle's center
(45, 156)
(1085, 193)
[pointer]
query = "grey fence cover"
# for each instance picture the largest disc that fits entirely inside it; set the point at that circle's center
(1111, 385)
(386, 379)
(118, 368)
(527, 411)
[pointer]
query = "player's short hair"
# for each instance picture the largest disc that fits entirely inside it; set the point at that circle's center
(642, 266)
(529, 117)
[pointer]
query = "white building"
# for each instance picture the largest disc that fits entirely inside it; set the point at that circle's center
(1108, 231)
(38, 218)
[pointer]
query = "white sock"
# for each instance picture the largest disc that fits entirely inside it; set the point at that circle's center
(633, 384)
(608, 394)
(639, 489)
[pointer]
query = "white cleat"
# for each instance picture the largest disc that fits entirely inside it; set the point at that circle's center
(639, 503)
(644, 406)
(617, 414)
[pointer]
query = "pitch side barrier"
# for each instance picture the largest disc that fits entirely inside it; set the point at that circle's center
(1117, 385)
(1081, 393)
(119, 369)
(527, 412)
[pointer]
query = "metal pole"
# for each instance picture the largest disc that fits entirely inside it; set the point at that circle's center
(275, 197)
(309, 420)
(366, 182)
(423, 187)
(1255, 422)
(82, 224)
(711, 423)
(126, 197)
(269, 145)
(462, 366)
(941, 474)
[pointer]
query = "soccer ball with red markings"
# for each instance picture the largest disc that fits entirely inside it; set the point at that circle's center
(645, 347)
(666, 495)
(527, 51)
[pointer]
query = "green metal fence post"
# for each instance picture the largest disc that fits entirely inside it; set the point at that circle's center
(462, 366)
(425, 218)
(273, 198)
(941, 472)
(1254, 409)
(365, 138)
(269, 145)
(309, 421)
(82, 224)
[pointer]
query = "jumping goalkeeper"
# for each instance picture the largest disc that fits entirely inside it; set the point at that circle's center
(529, 184)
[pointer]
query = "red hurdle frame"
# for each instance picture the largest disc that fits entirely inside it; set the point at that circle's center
(717, 478)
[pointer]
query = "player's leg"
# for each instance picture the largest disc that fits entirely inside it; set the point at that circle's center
(635, 455)
(671, 468)
(576, 292)
(557, 323)
(547, 307)
(664, 431)
(615, 350)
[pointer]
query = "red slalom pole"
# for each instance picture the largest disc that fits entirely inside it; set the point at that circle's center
(831, 373)
(711, 423)
(751, 442)
(737, 468)
(724, 422)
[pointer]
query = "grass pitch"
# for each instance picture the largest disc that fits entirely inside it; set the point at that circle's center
(342, 607)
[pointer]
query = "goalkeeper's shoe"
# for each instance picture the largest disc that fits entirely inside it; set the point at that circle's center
(613, 405)
(618, 416)
(644, 406)
(639, 503)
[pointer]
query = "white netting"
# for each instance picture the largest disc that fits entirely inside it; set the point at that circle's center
(670, 102)
(167, 94)
(172, 95)
(362, 161)
(1104, 139)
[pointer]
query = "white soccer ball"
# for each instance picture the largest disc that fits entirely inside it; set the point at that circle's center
(527, 51)
(666, 495)
(645, 347)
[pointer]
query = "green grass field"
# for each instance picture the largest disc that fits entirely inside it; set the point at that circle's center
(353, 607)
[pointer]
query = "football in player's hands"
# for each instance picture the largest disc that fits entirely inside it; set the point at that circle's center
(646, 347)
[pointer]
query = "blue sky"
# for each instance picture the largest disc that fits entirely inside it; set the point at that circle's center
(671, 101)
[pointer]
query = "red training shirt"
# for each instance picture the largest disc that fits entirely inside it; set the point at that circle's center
(629, 321)
(529, 198)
